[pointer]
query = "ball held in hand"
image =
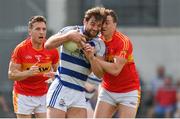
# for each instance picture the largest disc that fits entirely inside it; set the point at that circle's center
(70, 46)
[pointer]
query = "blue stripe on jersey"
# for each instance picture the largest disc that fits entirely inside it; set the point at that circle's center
(55, 95)
(95, 79)
(72, 73)
(74, 60)
(70, 85)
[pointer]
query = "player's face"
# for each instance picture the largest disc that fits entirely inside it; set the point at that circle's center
(38, 32)
(108, 27)
(92, 27)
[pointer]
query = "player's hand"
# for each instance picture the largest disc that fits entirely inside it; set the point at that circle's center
(49, 74)
(89, 51)
(76, 36)
(89, 87)
(34, 70)
(50, 80)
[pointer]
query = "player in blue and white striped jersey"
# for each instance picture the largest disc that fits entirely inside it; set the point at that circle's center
(66, 95)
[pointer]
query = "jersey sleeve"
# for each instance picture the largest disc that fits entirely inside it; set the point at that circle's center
(16, 55)
(68, 28)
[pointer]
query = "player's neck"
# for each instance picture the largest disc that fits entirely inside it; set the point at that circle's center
(107, 38)
(37, 46)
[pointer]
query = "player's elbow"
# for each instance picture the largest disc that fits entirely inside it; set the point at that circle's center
(47, 46)
(10, 75)
(116, 71)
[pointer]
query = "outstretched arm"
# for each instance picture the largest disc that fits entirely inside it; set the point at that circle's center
(15, 72)
(99, 65)
(58, 39)
(113, 68)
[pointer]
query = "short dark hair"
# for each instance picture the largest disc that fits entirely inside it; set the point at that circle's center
(97, 12)
(112, 14)
(34, 19)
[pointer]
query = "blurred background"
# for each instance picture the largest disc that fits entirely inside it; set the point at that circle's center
(152, 25)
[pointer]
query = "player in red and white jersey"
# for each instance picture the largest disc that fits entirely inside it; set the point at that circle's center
(120, 86)
(119, 46)
(30, 67)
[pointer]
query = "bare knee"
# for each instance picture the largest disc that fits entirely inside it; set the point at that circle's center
(75, 112)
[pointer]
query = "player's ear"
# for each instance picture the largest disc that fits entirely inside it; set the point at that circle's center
(115, 24)
(29, 31)
(84, 21)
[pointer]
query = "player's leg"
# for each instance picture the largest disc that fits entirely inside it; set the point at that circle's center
(105, 106)
(104, 110)
(126, 111)
(77, 104)
(40, 115)
(90, 113)
(128, 104)
(23, 116)
(55, 113)
(75, 112)
(90, 110)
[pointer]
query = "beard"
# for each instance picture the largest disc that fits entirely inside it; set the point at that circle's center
(90, 35)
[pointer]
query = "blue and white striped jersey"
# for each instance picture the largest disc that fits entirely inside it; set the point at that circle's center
(74, 67)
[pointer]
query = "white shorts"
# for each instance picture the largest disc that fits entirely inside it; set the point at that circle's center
(131, 99)
(29, 104)
(63, 98)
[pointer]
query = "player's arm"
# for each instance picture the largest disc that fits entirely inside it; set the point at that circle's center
(58, 39)
(89, 87)
(15, 73)
(113, 68)
(96, 68)
(119, 60)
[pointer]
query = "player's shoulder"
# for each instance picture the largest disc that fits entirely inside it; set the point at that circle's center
(99, 45)
(23, 44)
(121, 37)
